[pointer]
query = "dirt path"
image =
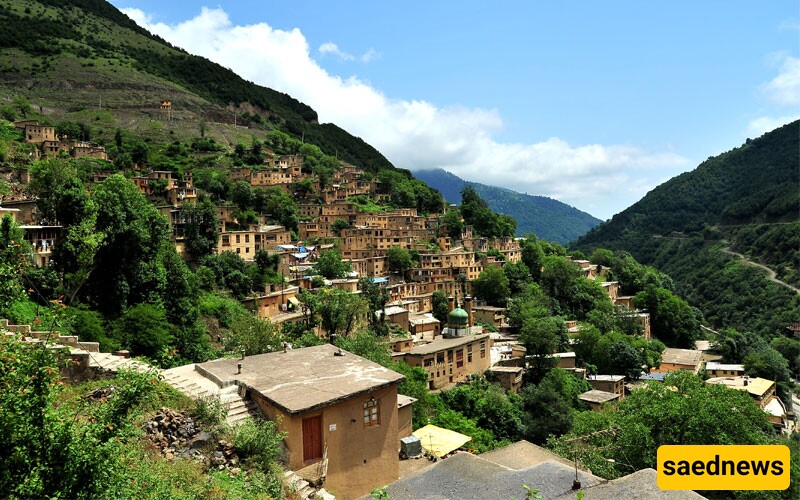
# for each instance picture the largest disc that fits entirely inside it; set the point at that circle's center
(770, 273)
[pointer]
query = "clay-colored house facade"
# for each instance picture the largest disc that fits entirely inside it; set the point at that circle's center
(330, 403)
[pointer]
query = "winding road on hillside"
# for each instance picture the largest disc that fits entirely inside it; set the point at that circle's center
(770, 273)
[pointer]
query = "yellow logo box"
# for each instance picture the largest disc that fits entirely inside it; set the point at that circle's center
(723, 467)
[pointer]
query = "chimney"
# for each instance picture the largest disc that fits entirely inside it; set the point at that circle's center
(468, 306)
(451, 303)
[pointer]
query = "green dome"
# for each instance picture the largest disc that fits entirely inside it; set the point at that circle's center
(458, 317)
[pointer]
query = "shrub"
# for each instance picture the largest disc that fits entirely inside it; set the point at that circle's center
(259, 441)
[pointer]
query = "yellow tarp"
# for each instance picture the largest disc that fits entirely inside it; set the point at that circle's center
(439, 442)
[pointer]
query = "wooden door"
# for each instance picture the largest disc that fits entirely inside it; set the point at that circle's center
(312, 438)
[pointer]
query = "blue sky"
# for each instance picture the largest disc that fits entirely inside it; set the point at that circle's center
(591, 103)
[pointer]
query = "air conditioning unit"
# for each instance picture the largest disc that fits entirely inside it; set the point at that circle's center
(410, 447)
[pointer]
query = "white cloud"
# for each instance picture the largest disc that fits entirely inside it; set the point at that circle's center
(370, 55)
(763, 124)
(784, 89)
(417, 134)
(332, 48)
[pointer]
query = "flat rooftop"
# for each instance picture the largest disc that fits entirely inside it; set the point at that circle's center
(598, 396)
(506, 369)
(605, 378)
(441, 344)
(756, 386)
(688, 357)
(300, 380)
(713, 365)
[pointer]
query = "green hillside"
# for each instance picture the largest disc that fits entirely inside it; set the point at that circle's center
(84, 60)
(746, 200)
(549, 219)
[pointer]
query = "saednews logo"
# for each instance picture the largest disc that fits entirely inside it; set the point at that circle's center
(719, 467)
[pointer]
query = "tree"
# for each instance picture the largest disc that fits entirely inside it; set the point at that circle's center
(602, 257)
(671, 319)
(376, 296)
(489, 405)
(558, 279)
(49, 450)
(519, 276)
(144, 330)
(399, 260)
(253, 336)
(532, 255)
(492, 286)
(452, 220)
(56, 184)
(200, 228)
(241, 194)
(789, 349)
(367, 345)
(682, 410)
(769, 364)
(128, 269)
(338, 225)
(440, 306)
(331, 266)
(279, 205)
(546, 412)
(542, 337)
(341, 311)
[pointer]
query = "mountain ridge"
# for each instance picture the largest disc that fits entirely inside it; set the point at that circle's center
(549, 219)
(745, 200)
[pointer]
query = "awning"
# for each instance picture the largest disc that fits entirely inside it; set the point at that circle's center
(299, 255)
(294, 301)
(438, 441)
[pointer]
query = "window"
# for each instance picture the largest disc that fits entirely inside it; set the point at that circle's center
(469, 353)
(450, 356)
(372, 413)
(427, 362)
(238, 238)
(460, 358)
(440, 358)
(483, 349)
(247, 238)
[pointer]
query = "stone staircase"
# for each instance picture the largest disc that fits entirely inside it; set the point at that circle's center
(185, 379)
(192, 383)
(302, 489)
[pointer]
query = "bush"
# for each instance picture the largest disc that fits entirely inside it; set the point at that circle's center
(259, 441)
(210, 410)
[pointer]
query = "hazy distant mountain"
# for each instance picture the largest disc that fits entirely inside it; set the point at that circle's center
(550, 219)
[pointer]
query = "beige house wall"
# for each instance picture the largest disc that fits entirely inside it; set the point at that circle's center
(359, 458)
(443, 366)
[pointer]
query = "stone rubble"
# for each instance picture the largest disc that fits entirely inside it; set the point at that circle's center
(176, 434)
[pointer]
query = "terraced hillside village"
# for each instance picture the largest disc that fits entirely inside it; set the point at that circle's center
(208, 294)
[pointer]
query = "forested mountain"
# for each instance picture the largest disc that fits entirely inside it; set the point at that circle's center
(85, 60)
(746, 200)
(550, 219)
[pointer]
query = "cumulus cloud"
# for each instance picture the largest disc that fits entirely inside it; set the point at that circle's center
(784, 89)
(763, 124)
(417, 134)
